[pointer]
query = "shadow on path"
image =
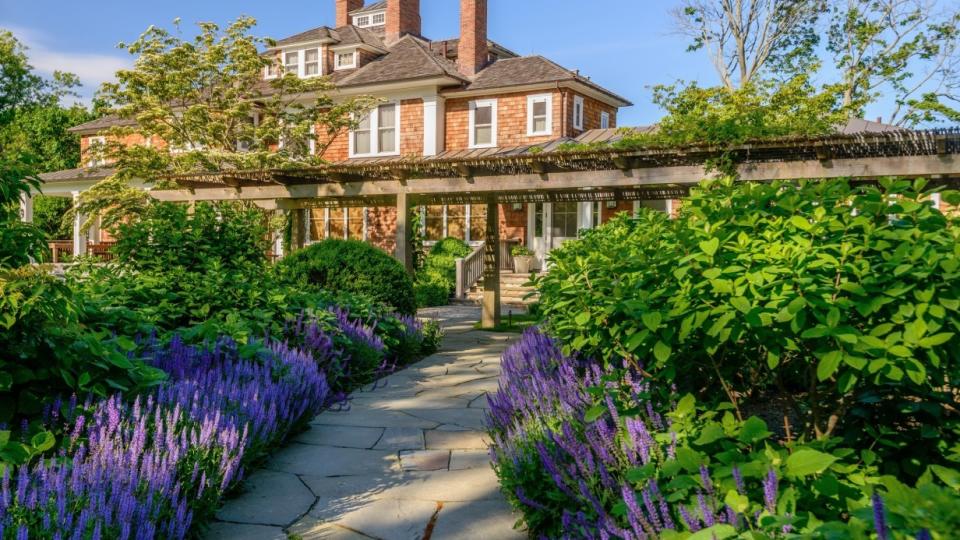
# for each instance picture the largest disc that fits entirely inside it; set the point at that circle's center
(408, 460)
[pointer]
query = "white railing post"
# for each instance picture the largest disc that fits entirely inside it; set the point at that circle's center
(460, 279)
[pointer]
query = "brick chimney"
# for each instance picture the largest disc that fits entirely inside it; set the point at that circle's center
(473, 51)
(344, 7)
(403, 17)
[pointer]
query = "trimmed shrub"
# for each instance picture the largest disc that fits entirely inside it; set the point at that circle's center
(829, 308)
(351, 266)
(436, 281)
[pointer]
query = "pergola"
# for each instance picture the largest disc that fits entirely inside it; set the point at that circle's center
(530, 174)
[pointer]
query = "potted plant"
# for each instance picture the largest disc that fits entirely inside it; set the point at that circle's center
(522, 259)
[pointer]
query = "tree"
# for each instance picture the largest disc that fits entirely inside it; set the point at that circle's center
(206, 100)
(904, 48)
(747, 38)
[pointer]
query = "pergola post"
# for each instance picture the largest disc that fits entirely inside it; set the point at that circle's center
(298, 229)
(490, 317)
(404, 246)
(79, 239)
(26, 208)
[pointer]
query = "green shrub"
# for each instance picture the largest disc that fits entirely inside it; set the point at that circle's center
(436, 280)
(351, 266)
(828, 307)
(231, 235)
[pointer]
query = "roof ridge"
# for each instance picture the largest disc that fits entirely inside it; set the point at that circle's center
(443, 64)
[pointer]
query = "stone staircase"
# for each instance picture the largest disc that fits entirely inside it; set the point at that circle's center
(513, 291)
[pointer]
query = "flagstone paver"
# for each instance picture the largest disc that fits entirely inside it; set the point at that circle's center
(407, 459)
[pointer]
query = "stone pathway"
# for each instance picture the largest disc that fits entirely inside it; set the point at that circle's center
(407, 461)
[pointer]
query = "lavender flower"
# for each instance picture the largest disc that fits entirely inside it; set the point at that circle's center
(770, 487)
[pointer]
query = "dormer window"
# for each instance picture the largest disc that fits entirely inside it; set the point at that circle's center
(345, 60)
(95, 149)
(367, 20)
(291, 62)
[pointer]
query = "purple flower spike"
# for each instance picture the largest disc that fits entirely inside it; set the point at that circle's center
(770, 489)
(879, 517)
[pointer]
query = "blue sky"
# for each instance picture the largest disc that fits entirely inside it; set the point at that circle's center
(625, 45)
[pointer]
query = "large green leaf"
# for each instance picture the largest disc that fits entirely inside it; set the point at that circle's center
(806, 461)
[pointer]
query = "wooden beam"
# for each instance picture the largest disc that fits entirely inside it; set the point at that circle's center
(490, 316)
(861, 168)
(404, 252)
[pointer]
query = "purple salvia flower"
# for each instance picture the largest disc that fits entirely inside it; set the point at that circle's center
(770, 485)
(879, 517)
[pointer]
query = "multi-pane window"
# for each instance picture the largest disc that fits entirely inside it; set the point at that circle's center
(577, 112)
(311, 62)
(564, 220)
(483, 123)
(361, 137)
(291, 62)
(377, 133)
(466, 222)
(361, 20)
(95, 150)
(337, 224)
(355, 223)
(595, 216)
(272, 69)
(538, 114)
(433, 224)
(346, 60)
(604, 120)
(378, 19)
(387, 129)
(478, 222)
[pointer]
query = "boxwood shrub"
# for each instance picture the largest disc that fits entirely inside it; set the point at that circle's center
(351, 266)
(436, 280)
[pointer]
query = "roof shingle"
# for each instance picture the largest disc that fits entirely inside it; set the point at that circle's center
(530, 70)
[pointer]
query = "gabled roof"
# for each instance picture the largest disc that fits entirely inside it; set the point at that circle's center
(528, 70)
(408, 59)
(376, 6)
(103, 122)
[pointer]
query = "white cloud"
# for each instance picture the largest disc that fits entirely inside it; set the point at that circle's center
(92, 69)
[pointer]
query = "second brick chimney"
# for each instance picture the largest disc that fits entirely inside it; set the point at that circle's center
(472, 52)
(344, 7)
(403, 17)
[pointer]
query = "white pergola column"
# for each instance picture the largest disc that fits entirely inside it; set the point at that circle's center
(26, 208)
(79, 239)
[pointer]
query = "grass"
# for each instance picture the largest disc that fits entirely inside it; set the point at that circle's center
(514, 323)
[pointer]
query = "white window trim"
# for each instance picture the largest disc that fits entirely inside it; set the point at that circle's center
(604, 120)
(337, 66)
(578, 112)
(548, 99)
(375, 133)
(492, 103)
(365, 20)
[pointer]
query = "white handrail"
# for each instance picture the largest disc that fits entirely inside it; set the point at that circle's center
(469, 271)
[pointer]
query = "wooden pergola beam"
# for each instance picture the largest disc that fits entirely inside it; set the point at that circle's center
(946, 165)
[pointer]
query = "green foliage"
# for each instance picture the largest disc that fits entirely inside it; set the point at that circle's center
(350, 266)
(200, 95)
(841, 302)
(171, 235)
(436, 279)
(49, 215)
(521, 251)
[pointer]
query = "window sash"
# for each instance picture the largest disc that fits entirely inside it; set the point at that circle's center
(604, 120)
(291, 62)
(378, 133)
(539, 115)
(311, 62)
(346, 60)
(577, 112)
(483, 124)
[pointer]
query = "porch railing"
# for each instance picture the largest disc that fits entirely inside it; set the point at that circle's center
(469, 271)
(62, 250)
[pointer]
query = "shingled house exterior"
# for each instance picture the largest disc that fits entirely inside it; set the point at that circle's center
(466, 96)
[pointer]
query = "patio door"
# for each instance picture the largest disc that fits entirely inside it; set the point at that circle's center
(565, 222)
